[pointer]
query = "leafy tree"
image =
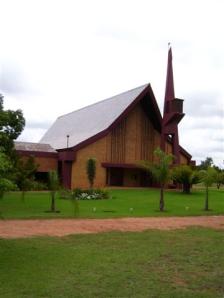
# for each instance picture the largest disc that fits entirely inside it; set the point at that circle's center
(219, 179)
(54, 186)
(91, 171)
(11, 125)
(208, 162)
(208, 178)
(160, 170)
(184, 175)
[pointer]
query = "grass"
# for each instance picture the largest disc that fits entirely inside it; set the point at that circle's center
(179, 263)
(124, 203)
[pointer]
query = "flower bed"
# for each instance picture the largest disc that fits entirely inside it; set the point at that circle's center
(85, 194)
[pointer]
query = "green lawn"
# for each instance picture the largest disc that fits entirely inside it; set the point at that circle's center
(172, 264)
(123, 203)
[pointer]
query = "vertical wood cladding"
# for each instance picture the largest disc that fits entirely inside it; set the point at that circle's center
(133, 139)
(118, 143)
(147, 138)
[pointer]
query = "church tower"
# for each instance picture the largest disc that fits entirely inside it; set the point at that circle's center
(172, 113)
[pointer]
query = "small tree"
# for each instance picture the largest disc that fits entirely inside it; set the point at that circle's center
(25, 174)
(207, 177)
(160, 171)
(184, 175)
(91, 171)
(54, 186)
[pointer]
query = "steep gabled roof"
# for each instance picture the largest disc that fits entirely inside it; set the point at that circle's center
(88, 122)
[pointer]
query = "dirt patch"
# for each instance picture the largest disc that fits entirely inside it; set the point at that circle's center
(63, 227)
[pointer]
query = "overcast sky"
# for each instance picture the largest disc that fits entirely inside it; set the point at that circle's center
(57, 56)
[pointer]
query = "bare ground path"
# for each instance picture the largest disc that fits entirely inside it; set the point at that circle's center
(63, 227)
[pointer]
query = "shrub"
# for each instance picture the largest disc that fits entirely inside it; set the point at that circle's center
(6, 185)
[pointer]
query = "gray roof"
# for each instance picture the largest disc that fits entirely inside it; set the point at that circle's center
(27, 146)
(82, 124)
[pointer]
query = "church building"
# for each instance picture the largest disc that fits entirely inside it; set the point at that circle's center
(118, 132)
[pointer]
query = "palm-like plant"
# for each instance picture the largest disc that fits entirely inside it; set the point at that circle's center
(160, 170)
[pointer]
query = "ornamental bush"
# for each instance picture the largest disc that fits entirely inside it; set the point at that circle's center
(90, 194)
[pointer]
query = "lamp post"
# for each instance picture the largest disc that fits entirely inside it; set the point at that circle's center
(67, 140)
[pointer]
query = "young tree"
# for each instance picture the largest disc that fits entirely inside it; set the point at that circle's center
(160, 171)
(207, 177)
(91, 171)
(25, 174)
(184, 175)
(54, 186)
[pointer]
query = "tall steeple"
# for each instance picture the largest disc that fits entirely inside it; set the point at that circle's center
(169, 92)
(172, 113)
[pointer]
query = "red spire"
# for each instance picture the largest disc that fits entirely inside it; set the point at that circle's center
(169, 93)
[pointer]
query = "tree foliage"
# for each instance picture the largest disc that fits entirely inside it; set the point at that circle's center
(5, 164)
(11, 125)
(25, 172)
(208, 162)
(219, 179)
(6, 185)
(91, 171)
(184, 175)
(5, 167)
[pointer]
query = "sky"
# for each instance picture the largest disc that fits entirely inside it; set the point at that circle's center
(58, 56)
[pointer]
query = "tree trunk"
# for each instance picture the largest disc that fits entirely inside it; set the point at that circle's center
(23, 195)
(186, 188)
(206, 199)
(161, 202)
(53, 201)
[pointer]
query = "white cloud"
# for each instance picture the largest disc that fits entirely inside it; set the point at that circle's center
(57, 56)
